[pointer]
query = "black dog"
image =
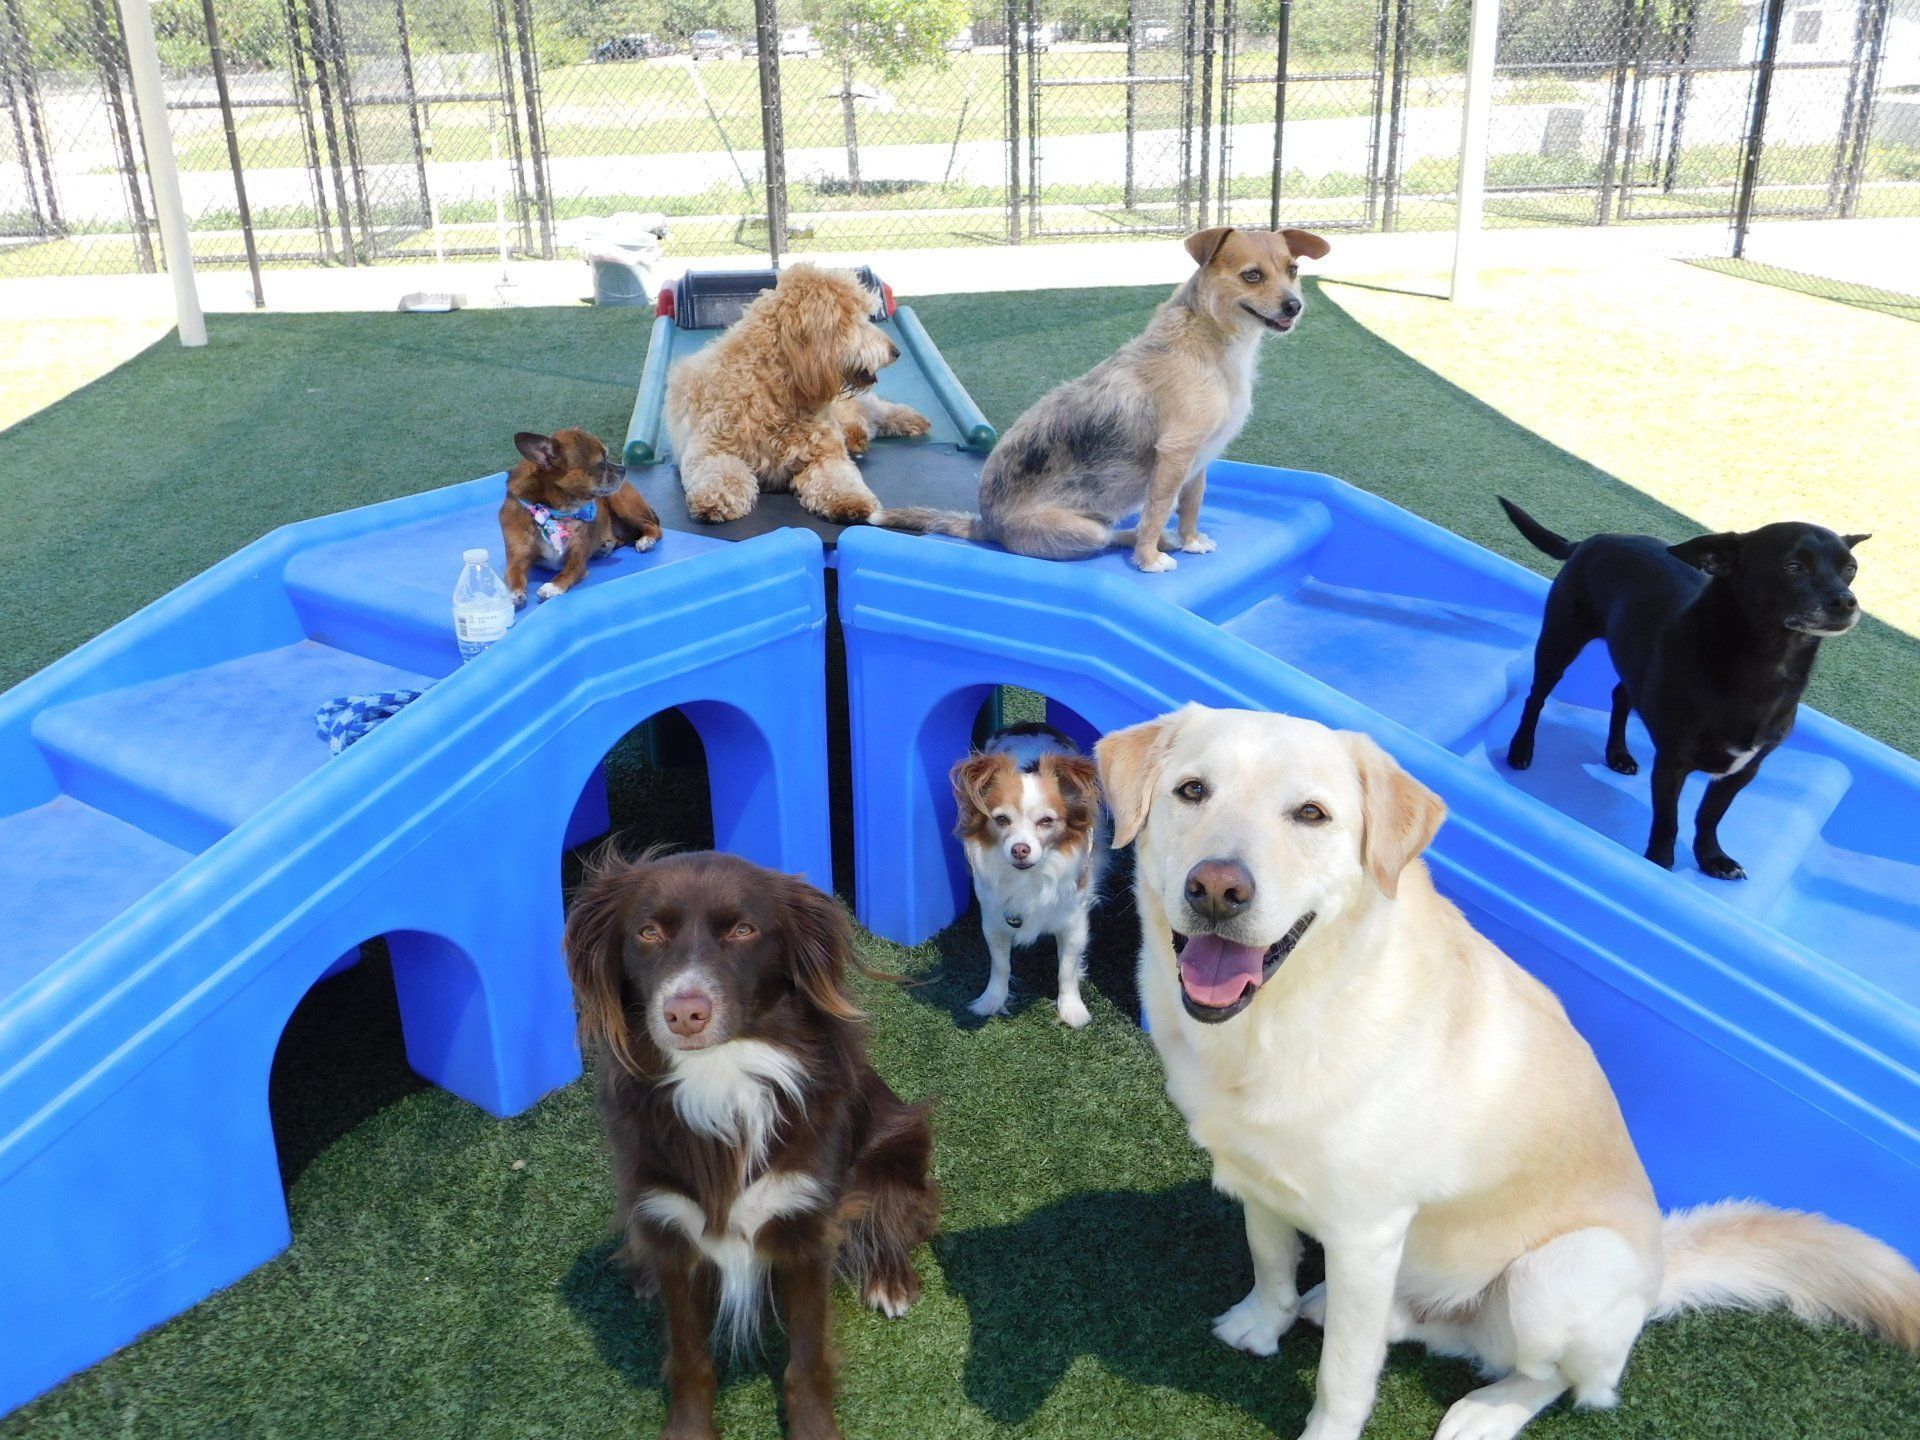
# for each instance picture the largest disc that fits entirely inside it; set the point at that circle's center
(1713, 640)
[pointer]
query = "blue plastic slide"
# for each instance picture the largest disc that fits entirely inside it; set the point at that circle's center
(180, 861)
(1763, 1036)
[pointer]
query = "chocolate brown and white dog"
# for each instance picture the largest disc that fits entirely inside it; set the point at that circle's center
(749, 1133)
(1035, 836)
(566, 503)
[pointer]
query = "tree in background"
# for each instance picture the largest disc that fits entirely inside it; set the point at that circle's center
(887, 37)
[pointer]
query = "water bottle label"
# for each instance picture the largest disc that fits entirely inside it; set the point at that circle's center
(480, 627)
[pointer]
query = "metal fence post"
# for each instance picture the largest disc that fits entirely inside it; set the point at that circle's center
(330, 123)
(124, 147)
(1390, 177)
(23, 93)
(1133, 68)
(149, 95)
(301, 87)
(772, 131)
(1862, 87)
(1279, 110)
(1206, 106)
(1756, 125)
(536, 125)
(1616, 110)
(217, 54)
(1013, 122)
(411, 90)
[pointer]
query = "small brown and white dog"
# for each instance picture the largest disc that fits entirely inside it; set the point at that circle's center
(1137, 432)
(1035, 835)
(784, 400)
(1362, 1065)
(567, 503)
(749, 1132)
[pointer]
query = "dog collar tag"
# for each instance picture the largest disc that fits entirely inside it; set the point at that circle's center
(1014, 922)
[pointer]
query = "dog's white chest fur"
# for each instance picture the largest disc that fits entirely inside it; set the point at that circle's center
(1043, 900)
(1239, 365)
(732, 1092)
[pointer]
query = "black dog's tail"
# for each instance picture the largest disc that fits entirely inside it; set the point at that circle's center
(1541, 538)
(925, 520)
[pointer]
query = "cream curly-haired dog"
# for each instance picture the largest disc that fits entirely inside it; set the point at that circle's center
(784, 400)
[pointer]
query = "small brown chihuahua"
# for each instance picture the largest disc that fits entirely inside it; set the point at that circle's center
(554, 515)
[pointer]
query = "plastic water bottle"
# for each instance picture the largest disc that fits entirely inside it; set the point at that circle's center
(482, 608)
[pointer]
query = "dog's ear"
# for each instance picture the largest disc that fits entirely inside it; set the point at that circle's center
(1130, 761)
(1305, 242)
(810, 323)
(1715, 554)
(971, 777)
(1400, 814)
(595, 943)
(540, 449)
(1852, 540)
(819, 946)
(1203, 245)
(1078, 780)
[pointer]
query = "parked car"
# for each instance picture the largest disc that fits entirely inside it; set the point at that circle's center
(800, 41)
(714, 45)
(1038, 37)
(1155, 35)
(627, 47)
(750, 47)
(961, 43)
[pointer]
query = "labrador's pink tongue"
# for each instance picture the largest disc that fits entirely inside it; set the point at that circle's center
(1216, 972)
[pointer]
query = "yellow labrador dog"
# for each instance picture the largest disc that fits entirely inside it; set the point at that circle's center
(1362, 1065)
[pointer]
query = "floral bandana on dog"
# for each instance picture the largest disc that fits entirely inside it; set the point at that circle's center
(557, 527)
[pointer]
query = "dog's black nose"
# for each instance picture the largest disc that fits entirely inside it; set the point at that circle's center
(1845, 603)
(893, 350)
(1291, 306)
(1219, 889)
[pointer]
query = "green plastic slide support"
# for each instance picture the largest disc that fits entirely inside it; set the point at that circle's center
(975, 432)
(643, 431)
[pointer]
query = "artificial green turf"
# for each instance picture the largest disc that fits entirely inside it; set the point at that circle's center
(448, 1275)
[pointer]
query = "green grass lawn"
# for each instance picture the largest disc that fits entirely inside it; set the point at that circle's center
(448, 1275)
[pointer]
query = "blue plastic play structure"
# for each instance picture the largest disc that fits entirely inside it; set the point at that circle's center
(180, 861)
(1783, 1009)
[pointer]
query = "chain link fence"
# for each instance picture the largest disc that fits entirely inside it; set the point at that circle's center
(355, 131)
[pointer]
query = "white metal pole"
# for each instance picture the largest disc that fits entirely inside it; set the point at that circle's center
(1481, 49)
(143, 65)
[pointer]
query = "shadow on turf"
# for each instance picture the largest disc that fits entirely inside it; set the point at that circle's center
(1128, 1278)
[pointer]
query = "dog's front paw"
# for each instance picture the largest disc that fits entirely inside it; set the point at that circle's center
(646, 543)
(1199, 543)
(992, 1001)
(1154, 562)
(905, 422)
(716, 506)
(549, 590)
(1255, 1325)
(519, 599)
(1520, 755)
(891, 1295)
(856, 436)
(1073, 1012)
(1621, 763)
(1661, 855)
(1721, 867)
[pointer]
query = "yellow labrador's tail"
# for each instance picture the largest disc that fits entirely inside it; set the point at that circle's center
(1743, 1255)
(925, 520)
